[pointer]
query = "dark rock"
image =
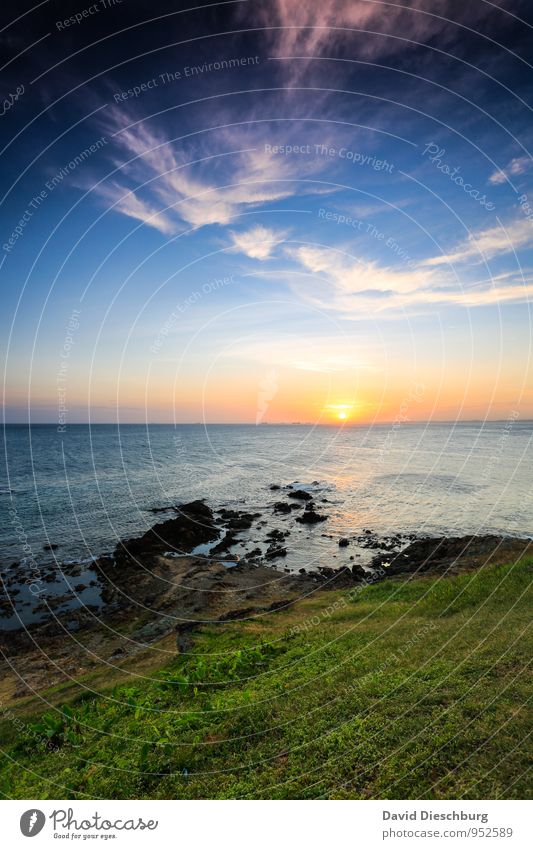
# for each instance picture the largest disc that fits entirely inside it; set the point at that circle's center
(225, 543)
(275, 551)
(276, 534)
(301, 495)
(193, 525)
(282, 507)
(310, 517)
(274, 486)
(440, 554)
(239, 521)
(228, 514)
(240, 524)
(50, 546)
(117, 653)
(344, 542)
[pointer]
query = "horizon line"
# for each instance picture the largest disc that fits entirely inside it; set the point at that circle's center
(342, 425)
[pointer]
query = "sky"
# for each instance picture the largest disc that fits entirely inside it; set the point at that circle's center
(266, 211)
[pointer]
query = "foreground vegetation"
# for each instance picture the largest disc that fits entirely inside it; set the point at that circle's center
(406, 689)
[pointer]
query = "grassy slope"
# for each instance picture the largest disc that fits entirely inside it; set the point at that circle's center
(405, 690)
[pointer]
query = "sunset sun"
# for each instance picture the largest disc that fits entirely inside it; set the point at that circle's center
(339, 412)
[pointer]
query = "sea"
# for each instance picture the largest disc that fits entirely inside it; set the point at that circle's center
(84, 489)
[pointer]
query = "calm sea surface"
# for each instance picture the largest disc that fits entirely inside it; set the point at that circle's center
(84, 489)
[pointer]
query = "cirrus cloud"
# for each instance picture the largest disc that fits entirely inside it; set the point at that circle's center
(257, 243)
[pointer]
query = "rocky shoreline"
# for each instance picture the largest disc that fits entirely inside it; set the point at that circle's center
(182, 573)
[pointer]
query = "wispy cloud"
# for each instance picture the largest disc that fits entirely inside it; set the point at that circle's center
(160, 185)
(355, 288)
(258, 243)
(307, 28)
(488, 243)
(514, 168)
(129, 204)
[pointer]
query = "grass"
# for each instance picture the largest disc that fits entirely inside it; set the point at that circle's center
(407, 689)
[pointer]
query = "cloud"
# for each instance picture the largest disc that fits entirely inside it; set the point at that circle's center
(304, 23)
(307, 28)
(489, 243)
(515, 168)
(161, 186)
(258, 242)
(356, 288)
(129, 204)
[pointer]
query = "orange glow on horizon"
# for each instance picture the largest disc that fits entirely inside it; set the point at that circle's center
(340, 412)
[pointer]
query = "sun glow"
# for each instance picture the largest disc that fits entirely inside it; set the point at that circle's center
(341, 412)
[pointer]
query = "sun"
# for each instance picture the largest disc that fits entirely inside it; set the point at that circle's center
(339, 412)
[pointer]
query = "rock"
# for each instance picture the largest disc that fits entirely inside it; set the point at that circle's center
(343, 542)
(358, 573)
(282, 507)
(193, 525)
(80, 587)
(117, 653)
(228, 514)
(239, 521)
(276, 534)
(50, 546)
(225, 543)
(274, 486)
(301, 495)
(275, 551)
(240, 524)
(310, 517)
(440, 554)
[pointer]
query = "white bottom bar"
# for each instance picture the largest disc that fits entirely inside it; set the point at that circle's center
(264, 825)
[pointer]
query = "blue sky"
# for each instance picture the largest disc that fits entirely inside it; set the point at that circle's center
(337, 196)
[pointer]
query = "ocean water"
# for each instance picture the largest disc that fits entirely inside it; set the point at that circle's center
(85, 489)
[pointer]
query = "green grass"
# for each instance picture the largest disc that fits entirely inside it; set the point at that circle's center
(407, 689)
